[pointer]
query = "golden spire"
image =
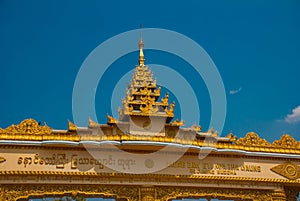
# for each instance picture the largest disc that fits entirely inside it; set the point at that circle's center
(141, 46)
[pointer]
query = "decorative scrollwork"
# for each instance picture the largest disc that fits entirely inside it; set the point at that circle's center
(23, 192)
(252, 139)
(169, 193)
(28, 126)
(286, 141)
(288, 170)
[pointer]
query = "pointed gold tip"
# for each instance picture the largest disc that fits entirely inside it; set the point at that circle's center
(141, 46)
(141, 42)
(71, 126)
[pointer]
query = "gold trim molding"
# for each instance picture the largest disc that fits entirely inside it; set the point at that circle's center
(138, 193)
(31, 130)
(168, 177)
(23, 192)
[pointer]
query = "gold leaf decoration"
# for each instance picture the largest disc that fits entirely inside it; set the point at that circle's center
(252, 139)
(286, 141)
(177, 122)
(71, 126)
(196, 127)
(2, 159)
(287, 170)
(92, 123)
(170, 112)
(28, 126)
(231, 137)
(111, 120)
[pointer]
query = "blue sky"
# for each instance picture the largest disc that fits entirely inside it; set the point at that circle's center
(254, 44)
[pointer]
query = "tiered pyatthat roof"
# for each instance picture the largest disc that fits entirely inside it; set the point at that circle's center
(142, 94)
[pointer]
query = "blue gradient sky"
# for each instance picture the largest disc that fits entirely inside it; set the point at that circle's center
(255, 45)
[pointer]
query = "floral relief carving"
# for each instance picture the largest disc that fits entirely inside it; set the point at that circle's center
(286, 141)
(169, 193)
(287, 170)
(252, 139)
(23, 192)
(28, 126)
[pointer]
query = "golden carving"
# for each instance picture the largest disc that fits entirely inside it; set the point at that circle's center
(213, 133)
(157, 92)
(196, 128)
(286, 141)
(129, 97)
(177, 122)
(170, 112)
(134, 193)
(165, 100)
(252, 139)
(231, 137)
(148, 102)
(169, 193)
(2, 159)
(145, 91)
(279, 195)
(142, 94)
(28, 126)
(288, 170)
(71, 126)
(91, 123)
(154, 83)
(21, 191)
(111, 120)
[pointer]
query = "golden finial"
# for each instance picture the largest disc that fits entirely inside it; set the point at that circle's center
(141, 46)
(71, 126)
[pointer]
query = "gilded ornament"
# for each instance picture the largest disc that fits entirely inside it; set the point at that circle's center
(288, 170)
(196, 128)
(286, 141)
(111, 120)
(71, 126)
(2, 159)
(176, 122)
(157, 91)
(165, 100)
(92, 123)
(154, 82)
(170, 112)
(154, 109)
(27, 126)
(252, 139)
(231, 137)
(145, 91)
